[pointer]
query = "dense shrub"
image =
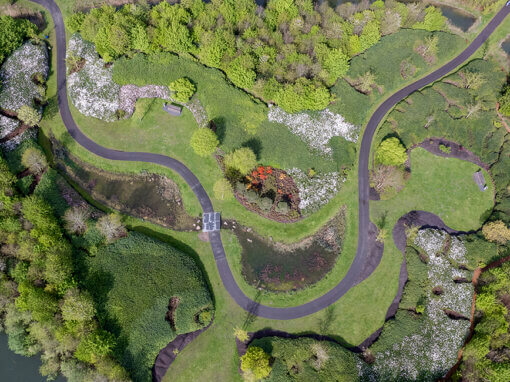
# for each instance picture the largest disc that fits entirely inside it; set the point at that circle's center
(255, 363)
(391, 152)
(486, 355)
(183, 89)
(204, 142)
(12, 33)
(307, 359)
(242, 159)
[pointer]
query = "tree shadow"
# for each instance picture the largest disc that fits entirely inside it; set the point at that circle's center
(255, 145)
(251, 314)
(221, 128)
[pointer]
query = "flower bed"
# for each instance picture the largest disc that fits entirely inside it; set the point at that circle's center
(270, 192)
(18, 76)
(316, 130)
(315, 191)
(91, 88)
(428, 353)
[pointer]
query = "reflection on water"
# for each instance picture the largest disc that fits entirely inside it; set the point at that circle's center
(458, 18)
(506, 46)
(16, 368)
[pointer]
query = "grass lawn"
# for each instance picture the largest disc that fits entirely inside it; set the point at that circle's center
(443, 186)
(132, 281)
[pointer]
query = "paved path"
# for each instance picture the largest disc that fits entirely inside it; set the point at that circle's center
(365, 245)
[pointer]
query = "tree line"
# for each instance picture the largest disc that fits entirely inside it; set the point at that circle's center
(42, 307)
(289, 52)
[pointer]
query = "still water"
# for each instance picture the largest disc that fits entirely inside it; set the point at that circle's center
(16, 368)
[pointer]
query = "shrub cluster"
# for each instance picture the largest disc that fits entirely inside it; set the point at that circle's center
(302, 359)
(289, 52)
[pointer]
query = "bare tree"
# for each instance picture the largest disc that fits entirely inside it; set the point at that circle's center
(111, 227)
(75, 219)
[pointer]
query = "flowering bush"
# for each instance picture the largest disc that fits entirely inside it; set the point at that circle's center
(315, 129)
(432, 351)
(315, 191)
(7, 126)
(17, 76)
(91, 89)
(11, 144)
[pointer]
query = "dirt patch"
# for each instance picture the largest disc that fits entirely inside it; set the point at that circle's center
(170, 314)
(147, 196)
(281, 267)
(453, 315)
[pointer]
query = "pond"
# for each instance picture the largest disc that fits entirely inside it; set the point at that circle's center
(506, 46)
(150, 196)
(16, 368)
(458, 18)
(279, 267)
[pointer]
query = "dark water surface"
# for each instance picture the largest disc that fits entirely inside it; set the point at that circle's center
(16, 368)
(458, 18)
(506, 46)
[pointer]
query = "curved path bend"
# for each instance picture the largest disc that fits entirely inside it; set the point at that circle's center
(365, 245)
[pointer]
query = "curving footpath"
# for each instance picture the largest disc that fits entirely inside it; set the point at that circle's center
(366, 244)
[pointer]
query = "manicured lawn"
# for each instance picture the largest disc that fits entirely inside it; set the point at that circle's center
(443, 186)
(132, 282)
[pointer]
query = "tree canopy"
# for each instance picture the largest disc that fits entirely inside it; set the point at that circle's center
(204, 142)
(391, 152)
(290, 53)
(12, 33)
(242, 159)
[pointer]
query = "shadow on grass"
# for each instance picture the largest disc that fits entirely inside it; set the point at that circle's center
(255, 145)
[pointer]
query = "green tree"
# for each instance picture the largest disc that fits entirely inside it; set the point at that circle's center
(255, 362)
(391, 152)
(28, 115)
(41, 304)
(34, 160)
(496, 232)
(222, 189)
(240, 72)
(75, 22)
(434, 20)
(204, 142)
(77, 306)
(171, 31)
(354, 46)
(370, 35)
(183, 89)
(12, 33)
(242, 159)
(95, 346)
